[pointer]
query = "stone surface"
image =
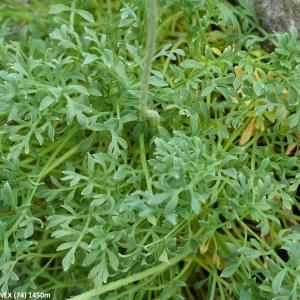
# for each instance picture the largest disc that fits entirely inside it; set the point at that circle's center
(277, 15)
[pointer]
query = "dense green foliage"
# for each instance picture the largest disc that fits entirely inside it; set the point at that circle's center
(191, 194)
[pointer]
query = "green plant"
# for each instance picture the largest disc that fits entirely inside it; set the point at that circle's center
(149, 161)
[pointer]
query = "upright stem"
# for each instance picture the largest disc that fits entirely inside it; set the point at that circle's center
(152, 12)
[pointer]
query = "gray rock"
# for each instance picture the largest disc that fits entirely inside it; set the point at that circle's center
(277, 15)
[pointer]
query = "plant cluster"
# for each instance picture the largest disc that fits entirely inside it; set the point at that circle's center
(148, 161)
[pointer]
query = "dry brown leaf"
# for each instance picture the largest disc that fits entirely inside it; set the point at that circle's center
(248, 132)
(290, 148)
(277, 197)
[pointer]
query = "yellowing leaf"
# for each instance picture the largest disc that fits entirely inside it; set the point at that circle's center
(256, 74)
(216, 260)
(270, 115)
(234, 99)
(270, 75)
(216, 51)
(285, 94)
(248, 132)
(238, 71)
(240, 91)
(260, 124)
(290, 148)
(283, 117)
(204, 247)
(257, 53)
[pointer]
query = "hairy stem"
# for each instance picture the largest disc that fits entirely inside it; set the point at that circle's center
(152, 12)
